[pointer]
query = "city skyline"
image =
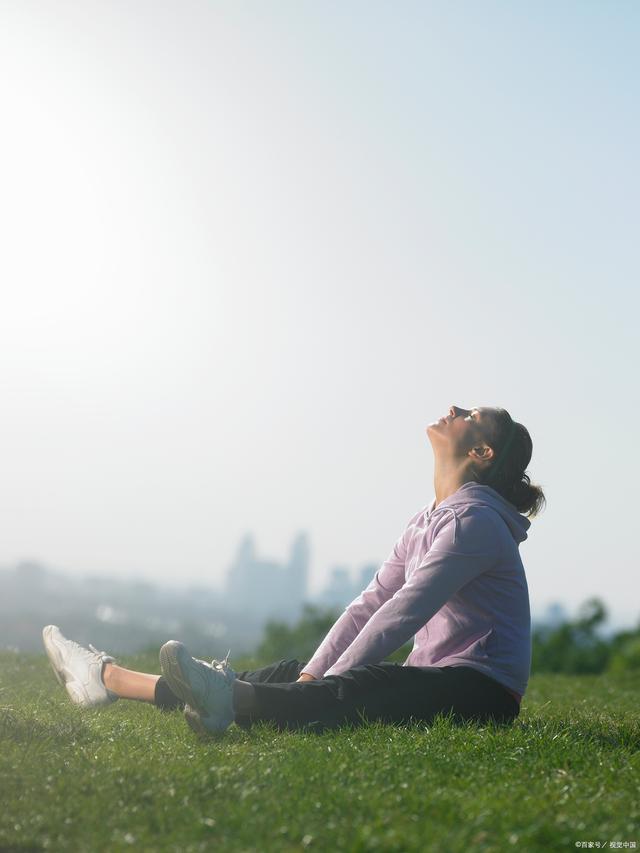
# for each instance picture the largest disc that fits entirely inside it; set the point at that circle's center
(277, 594)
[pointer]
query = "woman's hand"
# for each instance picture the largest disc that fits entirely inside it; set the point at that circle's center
(305, 676)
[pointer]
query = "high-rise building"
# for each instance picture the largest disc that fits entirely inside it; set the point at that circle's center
(296, 572)
(341, 589)
(267, 588)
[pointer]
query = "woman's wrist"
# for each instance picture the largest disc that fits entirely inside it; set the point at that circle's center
(306, 676)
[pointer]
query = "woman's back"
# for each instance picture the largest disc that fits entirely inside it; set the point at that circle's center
(486, 623)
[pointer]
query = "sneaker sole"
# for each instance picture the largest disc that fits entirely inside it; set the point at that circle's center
(195, 721)
(53, 653)
(170, 655)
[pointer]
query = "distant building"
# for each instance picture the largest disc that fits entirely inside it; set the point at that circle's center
(339, 591)
(266, 588)
(296, 571)
(342, 590)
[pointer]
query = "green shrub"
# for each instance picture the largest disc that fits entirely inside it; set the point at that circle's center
(573, 647)
(626, 656)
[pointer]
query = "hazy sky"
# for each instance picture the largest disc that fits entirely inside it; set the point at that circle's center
(251, 249)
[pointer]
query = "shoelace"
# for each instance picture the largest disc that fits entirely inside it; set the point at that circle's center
(105, 657)
(222, 664)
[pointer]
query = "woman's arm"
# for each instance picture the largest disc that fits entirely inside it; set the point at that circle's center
(446, 568)
(389, 578)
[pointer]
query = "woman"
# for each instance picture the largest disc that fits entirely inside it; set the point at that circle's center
(454, 581)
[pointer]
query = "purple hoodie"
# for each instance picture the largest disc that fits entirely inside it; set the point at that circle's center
(455, 582)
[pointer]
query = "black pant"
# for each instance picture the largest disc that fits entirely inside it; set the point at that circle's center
(388, 692)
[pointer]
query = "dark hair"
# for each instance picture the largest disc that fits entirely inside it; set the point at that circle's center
(513, 448)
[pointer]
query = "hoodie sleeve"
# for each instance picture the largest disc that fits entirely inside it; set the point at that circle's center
(464, 547)
(387, 580)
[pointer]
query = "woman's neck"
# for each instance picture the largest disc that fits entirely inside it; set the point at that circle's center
(447, 480)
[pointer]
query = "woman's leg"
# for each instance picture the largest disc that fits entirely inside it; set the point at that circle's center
(387, 692)
(92, 678)
(141, 686)
(282, 672)
(128, 684)
(144, 687)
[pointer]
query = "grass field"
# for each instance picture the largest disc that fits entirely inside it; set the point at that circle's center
(132, 778)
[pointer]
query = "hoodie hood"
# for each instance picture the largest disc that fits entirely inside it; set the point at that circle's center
(474, 494)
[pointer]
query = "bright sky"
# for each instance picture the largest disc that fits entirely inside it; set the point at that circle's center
(250, 250)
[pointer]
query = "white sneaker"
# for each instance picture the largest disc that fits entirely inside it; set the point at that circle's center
(206, 690)
(78, 670)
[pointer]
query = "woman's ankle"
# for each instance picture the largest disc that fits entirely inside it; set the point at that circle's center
(107, 675)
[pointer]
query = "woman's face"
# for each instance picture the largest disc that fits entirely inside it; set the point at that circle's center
(461, 430)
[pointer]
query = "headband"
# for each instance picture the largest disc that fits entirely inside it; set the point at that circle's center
(503, 453)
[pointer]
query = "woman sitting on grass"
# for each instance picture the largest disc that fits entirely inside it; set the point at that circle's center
(454, 581)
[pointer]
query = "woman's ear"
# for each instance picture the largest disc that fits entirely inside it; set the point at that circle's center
(482, 452)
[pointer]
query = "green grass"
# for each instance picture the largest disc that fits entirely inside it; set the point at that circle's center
(129, 777)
